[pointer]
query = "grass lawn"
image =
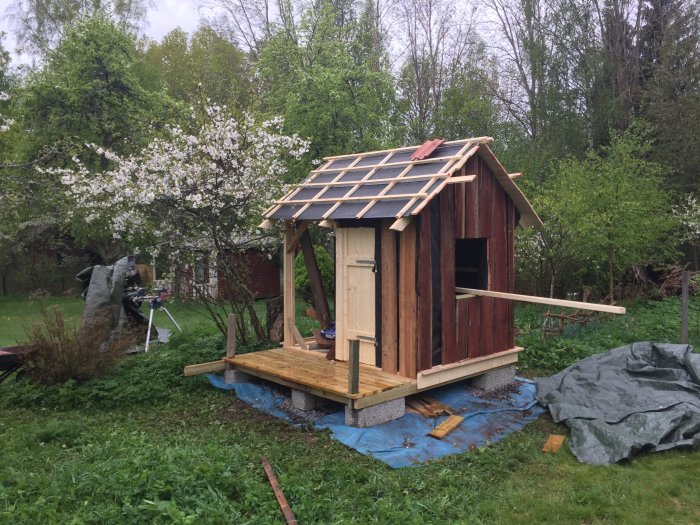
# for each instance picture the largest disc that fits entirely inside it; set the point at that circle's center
(19, 313)
(145, 445)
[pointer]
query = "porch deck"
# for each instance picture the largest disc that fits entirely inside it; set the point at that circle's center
(311, 372)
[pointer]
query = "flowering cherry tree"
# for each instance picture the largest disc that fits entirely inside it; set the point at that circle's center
(189, 193)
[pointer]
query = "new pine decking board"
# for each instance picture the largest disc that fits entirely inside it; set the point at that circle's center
(312, 370)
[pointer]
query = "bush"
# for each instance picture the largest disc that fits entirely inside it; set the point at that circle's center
(62, 353)
(326, 266)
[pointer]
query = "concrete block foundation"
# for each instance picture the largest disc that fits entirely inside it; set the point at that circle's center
(236, 376)
(305, 401)
(495, 378)
(375, 414)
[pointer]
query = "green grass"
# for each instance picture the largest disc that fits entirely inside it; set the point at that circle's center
(19, 313)
(145, 445)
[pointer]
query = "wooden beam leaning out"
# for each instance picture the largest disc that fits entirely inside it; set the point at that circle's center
(297, 335)
(546, 300)
(296, 236)
(317, 291)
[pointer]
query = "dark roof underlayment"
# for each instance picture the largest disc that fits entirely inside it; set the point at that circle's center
(388, 184)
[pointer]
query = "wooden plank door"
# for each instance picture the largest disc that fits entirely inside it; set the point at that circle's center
(355, 292)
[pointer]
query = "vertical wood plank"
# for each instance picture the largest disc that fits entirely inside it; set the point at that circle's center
(450, 352)
(340, 291)
(407, 300)
(458, 206)
(500, 266)
(487, 340)
(474, 328)
(424, 305)
(485, 199)
(471, 200)
(510, 255)
(462, 329)
(390, 315)
(288, 284)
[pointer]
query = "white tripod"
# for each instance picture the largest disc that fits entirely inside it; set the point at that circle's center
(155, 303)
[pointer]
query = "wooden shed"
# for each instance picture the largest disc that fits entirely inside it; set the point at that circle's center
(412, 225)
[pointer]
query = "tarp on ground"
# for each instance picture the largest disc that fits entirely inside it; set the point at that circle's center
(405, 442)
(644, 397)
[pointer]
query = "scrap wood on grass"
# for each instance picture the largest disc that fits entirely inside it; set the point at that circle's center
(286, 510)
(446, 427)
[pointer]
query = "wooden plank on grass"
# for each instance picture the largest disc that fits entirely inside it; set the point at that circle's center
(446, 427)
(286, 509)
(553, 443)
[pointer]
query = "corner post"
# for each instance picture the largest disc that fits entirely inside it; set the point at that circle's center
(354, 367)
(231, 336)
(288, 284)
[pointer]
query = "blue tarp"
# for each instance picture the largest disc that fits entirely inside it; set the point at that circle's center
(404, 442)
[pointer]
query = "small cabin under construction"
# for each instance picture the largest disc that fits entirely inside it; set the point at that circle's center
(411, 226)
(423, 236)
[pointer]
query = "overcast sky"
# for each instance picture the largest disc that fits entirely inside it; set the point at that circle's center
(163, 18)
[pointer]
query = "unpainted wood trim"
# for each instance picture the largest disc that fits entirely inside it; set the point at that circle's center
(443, 374)
(546, 300)
(204, 368)
(483, 140)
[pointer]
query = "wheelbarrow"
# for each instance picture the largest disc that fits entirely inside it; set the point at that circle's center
(12, 359)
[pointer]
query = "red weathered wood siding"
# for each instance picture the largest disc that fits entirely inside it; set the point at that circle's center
(479, 209)
(468, 327)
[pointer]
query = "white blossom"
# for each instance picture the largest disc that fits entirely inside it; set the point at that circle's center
(187, 190)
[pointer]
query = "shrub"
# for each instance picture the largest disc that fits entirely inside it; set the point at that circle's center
(326, 266)
(62, 352)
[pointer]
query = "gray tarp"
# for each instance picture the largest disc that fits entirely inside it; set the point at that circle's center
(103, 288)
(643, 397)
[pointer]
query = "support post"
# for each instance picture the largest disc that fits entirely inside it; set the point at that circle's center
(231, 336)
(354, 367)
(288, 285)
(685, 283)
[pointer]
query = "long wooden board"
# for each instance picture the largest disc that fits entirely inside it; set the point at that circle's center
(443, 374)
(546, 300)
(204, 368)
